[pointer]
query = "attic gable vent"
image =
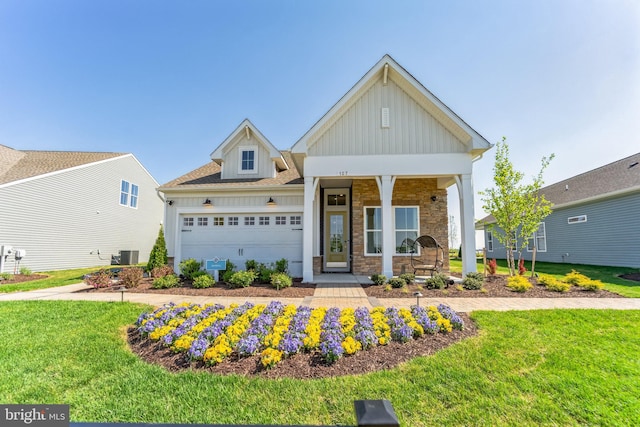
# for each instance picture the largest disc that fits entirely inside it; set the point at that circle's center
(385, 117)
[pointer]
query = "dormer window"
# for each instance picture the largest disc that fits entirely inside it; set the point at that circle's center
(248, 160)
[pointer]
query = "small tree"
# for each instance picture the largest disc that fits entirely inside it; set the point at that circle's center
(158, 255)
(517, 208)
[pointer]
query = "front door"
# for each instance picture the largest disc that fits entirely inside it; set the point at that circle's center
(336, 226)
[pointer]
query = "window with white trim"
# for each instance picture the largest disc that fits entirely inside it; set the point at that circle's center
(490, 241)
(203, 221)
(295, 220)
(232, 220)
(538, 239)
(406, 220)
(577, 219)
(248, 157)
(263, 220)
(281, 220)
(249, 220)
(187, 222)
(372, 231)
(406, 228)
(128, 194)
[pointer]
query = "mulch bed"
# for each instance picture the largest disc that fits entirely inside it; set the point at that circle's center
(19, 278)
(495, 287)
(297, 290)
(632, 276)
(305, 365)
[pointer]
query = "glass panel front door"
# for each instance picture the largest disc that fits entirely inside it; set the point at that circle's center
(336, 239)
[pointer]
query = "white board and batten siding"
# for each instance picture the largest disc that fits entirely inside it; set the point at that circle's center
(264, 167)
(411, 129)
(61, 218)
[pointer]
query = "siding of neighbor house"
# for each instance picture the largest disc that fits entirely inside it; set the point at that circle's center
(412, 130)
(611, 235)
(60, 218)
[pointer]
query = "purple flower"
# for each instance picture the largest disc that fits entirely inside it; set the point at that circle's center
(292, 341)
(363, 329)
(422, 317)
(448, 313)
(331, 336)
(400, 331)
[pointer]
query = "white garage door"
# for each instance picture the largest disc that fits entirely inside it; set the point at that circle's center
(264, 238)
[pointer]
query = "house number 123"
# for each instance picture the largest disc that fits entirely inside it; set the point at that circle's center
(343, 173)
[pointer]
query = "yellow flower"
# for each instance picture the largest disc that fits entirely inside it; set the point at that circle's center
(350, 345)
(270, 356)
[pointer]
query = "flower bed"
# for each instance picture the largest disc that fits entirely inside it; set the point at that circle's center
(213, 333)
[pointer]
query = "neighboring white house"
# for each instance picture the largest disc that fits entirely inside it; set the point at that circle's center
(595, 219)
(373, 171)
(75, 209)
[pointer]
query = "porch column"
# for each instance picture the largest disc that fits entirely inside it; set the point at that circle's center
(465, 192)
(385, 186)
(310, 183)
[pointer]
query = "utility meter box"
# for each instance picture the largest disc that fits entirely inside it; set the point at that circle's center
(6, 250)
(20, 253)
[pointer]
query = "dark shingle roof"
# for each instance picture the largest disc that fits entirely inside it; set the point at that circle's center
(209, 176)
(16, 165)
(616, 177)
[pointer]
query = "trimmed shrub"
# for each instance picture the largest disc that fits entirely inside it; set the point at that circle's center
(163, 270)
(473, 281)
(226, 275)
(165, 282)
(519, 284)
(158, 255)
(99, 279)
(521, 268)
(575, 278)
(592, 285)
(556, 285)
(282, 265)
(408, 278)
(203, 281)
(492, 266)
(264, 273)
(189, 268)
(378, 279)
(130, 277)
(437, 281)
(397, 283)
(251, 264)
(281, 280)
(242, 279)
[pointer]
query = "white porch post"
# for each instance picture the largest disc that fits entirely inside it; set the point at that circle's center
(307, 229)
(385, 185)
(465, 192)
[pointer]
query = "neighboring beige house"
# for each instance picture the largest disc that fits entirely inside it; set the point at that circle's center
(75, 209)
(373, 171)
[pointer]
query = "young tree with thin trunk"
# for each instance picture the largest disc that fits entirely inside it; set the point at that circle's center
(517, 208)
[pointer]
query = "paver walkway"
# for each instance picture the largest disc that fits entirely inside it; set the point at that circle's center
(328, 294)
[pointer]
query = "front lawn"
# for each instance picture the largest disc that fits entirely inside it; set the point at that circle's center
(560, 367)
(608, 275)
(55, 278)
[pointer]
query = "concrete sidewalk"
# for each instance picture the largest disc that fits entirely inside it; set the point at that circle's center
(340, 295)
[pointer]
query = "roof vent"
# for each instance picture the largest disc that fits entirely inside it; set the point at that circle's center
(633, 164)
(566, 187)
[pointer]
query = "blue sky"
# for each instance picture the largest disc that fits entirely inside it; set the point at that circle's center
(169, 80)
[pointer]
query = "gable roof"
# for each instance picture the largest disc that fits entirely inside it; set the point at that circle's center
(18, 165)
(619, 177)
(209, 176)
(387, 67)
(249, 128)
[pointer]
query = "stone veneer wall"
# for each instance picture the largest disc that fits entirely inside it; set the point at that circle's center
(434, 218)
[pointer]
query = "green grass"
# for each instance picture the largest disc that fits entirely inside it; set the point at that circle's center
(608, 275)
(55, 278)
(554, 367)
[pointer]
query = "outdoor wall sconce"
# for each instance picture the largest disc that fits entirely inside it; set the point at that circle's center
(170, 202)
(271, 202)
(207, 203)
(434, 198)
